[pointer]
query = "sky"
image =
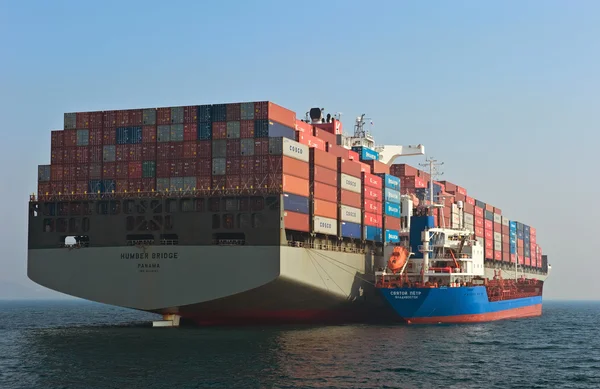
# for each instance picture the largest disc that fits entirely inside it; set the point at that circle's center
(504, 93)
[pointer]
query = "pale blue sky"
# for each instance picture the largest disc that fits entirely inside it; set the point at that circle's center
(505, 93)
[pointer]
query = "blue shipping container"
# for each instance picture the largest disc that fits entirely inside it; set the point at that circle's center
(519, 226)
(390, 181)
(526, 238)
(295, 203)
(204, 113)
(261, 128)
(95, 186)
(526, 230)
(479, 204)
(108, 186)
(519, 234)
(365, 153)
(417, 225)
(276, 130)
(123, 135)
(512, 225)
(392, 196)
(135, 135)
(219, 113)
(350, 230)
(392, 236)
(391, 209)
(489, 215)
(373, 233)
(204, 131)
(437, 188)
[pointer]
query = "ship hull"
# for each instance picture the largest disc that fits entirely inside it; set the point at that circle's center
(456, 305)
(218, 284)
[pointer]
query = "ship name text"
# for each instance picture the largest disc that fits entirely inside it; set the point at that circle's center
(150, 255)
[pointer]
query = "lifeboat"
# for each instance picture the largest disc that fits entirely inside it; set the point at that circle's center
(397, 259)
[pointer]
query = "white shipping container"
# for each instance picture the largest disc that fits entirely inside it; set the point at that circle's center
(497, 237)
(497, 246)
(350, 183)
(469, 219)
(176, 184)
(176, 132)
(289, 148)
(109, 153)
(162, 184)
(455, 220)
(189, 183)
(497, 218)
(233, 129)
(325, 225)
(505, 221)
(454, 208)
(247, 146)
(44, 173)
(350, 214)
(83, 137)
(163, 133)
(219, 166)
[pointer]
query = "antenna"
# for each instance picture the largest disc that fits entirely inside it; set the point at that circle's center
(433, 164)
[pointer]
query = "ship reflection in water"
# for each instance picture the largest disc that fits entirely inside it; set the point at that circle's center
(95, 355)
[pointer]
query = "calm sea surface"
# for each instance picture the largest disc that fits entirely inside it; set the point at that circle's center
(73, 344)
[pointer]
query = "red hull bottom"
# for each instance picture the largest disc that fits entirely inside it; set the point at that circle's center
(516, 313)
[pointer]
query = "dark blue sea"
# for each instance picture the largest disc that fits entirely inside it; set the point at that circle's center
(74, 344)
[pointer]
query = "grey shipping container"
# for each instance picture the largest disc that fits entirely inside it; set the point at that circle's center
(149, 117)
(148, 169)
(189, 183)
(247, 146)
(247, 111)
(275, 146)
(176, 184)
(219, 166)
(162, 184)
(233, 129)
(70, 121)
(44, 173)
(176, 115)
(83, 137)
(163, 133)
(109, 153)
(219, 148)
(176, 132)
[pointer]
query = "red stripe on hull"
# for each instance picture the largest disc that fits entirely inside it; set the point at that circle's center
(516, 313)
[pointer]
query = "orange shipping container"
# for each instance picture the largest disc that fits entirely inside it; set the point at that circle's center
(303, 127)
(323, 158)
(289, 184)
(281, 164)
(349, 167)
(325, 192)
(296, 221)
(378, 167)
(282, 115)
(324, 175)
(351, 199)
(325, 209)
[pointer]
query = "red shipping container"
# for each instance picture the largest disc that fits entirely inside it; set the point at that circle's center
(233, 111)
(233, 182)
(261, 181)
(489, 207)
(326, 192)
(247, 181)
(489, 225)
(303, 127)
(513, 258)
(218, 182)
(82, 154)
(109, 136)
(176, 150)
(353, 156)
(497, 255)
(56, 172)
(497, 227)
(43, 188)
(135, 119)
(532, 231)
(378, 167)
(70, 138)
(57, 139)
(489, 254)
(373, 219)
(96, 154)
(311, 141)
(135, 152)
(204, 149)
(296, 221)
(470, 209)
(350, 168)
(189, 167)
(176, 168)
(234, 148)
(489, 235)
(489, 244)
(82, 120)
(520, 243)
(190, 114)
(135, 185)
(497, 211)
(122, 170)
(532, 238)
(96, 119)
(190, 132)
(403, 170)
(219, 130)
(122, 153)
(203, 182)
(163, 169)
(471, 201)
(261, 164)
(247, 129)
(163, 116)
(478, 212)
(391, 223)
(479, 232)
(149, 134)
(372, 181)
(324, 175)
(123, 118)
(135, 170)
(149, 152)
(247, 166)
(190, 149)
(327, 137)
(109, 170)
(95, 172)
(287, 165)
(122, 186)
(288, 184)
(82, 171)
(479, 222)
(274, 112)
(372, 206)
(162, 151)
(505, 230)
(232, 166)
(338, 151)
(109, 119)
(70, 155)
(69, 186)
(261, 147)
(351, 199)
(364, 168)
(56, 156)
(325, 209)
(372, 194)
(204, 167)
(322, 158)
(81, 186)
(95, 137)
(412, 182)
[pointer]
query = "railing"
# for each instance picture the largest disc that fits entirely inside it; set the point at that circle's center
(229, 242)
(326, 247)
(142, 242)
(74, 245)
(169, 242)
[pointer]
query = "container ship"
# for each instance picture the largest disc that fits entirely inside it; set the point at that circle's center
(243, 213)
